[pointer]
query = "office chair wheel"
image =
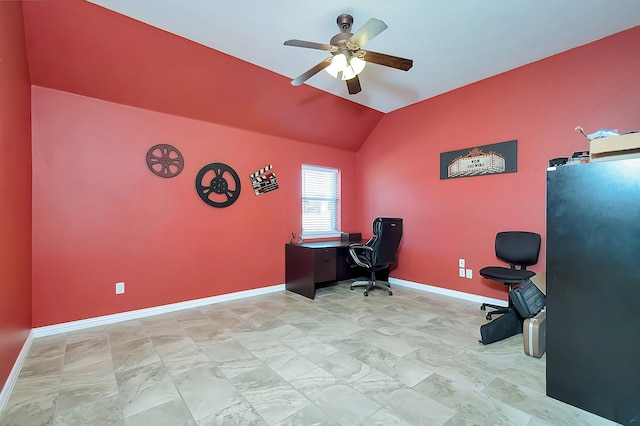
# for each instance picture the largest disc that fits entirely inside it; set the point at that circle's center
(390, 293)
(366, 293)
(351, 288)
(482, 307)
(488, 317)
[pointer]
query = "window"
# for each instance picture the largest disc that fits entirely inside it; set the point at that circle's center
(320, 204)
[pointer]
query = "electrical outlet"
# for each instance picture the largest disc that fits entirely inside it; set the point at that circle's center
(469, 274)
(461, 272)
(460, 263)
(120, 288)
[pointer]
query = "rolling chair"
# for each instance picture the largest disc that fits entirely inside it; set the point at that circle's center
(378, 253)
(519, 249)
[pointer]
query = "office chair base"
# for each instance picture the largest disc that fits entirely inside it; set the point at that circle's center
(370, 286)
(484, 306)
(497, 310)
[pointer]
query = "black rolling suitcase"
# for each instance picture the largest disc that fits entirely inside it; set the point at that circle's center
(527, 299)
(506, 325)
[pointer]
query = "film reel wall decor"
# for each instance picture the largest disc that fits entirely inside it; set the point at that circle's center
(218, 185)
(165, 160)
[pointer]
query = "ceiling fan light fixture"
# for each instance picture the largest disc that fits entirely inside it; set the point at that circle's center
(348, 73)
(338, 64)
(332, 72)
(357, 64)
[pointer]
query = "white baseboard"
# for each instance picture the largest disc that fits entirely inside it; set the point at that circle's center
(447, 292)
(114, 318)
(156, 310)
(15, 371)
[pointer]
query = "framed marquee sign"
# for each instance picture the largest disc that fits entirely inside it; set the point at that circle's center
(482, 160)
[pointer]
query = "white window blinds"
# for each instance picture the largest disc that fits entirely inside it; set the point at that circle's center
(320, 203)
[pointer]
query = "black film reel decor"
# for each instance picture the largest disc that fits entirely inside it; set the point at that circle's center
(165, 160)
(218, 185)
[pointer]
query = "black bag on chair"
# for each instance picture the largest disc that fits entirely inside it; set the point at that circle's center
(506, 325)
(527, 299)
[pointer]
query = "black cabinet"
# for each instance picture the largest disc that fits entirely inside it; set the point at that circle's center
(593, 287)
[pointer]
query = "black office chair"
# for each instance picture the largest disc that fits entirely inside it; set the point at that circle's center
(378, 253)
(518, 249)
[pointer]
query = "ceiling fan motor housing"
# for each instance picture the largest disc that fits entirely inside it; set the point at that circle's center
(345, 21)
(340, 40)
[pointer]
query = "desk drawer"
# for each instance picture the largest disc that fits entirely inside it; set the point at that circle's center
(324, 265)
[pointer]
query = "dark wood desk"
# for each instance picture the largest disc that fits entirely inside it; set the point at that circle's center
(309, 264)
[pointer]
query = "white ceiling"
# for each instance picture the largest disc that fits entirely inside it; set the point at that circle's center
(452, 43)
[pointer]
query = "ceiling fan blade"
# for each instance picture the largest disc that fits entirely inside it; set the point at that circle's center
(369, 30)
(311, 72)
(354, 85)
(387, 60)
(311, 45)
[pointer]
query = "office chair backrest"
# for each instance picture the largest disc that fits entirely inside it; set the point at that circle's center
(518, 247)
(387, 235)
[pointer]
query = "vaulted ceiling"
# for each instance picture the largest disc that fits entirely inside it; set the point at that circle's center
(225, 62)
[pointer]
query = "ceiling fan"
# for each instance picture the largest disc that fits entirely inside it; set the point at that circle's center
(348, 59)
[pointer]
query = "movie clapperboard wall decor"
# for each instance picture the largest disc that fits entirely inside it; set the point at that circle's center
(218, 185)
(165, 160)
(262, 181)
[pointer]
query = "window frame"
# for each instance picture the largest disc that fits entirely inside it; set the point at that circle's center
(332, 196)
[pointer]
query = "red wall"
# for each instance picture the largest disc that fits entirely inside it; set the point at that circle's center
(145, 67)
(15, 188)
(100, 216)
(595, 86)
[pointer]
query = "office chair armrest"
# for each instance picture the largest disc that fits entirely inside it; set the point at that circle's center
(358, 246)
(354, 255)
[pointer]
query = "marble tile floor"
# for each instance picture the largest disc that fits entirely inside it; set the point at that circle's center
(282, 359)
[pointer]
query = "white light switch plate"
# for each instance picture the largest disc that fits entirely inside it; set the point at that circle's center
(469, 273)
(461, 272)
(119, 288)
(460, 263)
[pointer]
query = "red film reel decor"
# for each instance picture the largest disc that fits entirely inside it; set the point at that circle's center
(165, 160)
